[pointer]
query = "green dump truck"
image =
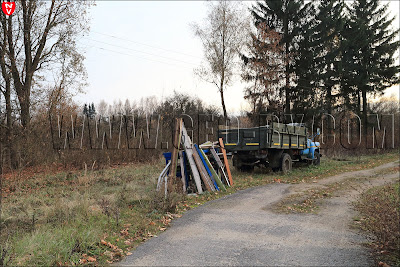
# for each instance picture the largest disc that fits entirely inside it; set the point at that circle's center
(276, 145)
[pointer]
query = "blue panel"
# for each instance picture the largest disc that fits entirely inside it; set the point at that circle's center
(206, 166)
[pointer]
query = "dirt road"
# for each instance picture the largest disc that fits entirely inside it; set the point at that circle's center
(241, 229)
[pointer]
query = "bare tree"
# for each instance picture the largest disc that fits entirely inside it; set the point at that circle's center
(40, 41)
(127, 107)
(102, 108)
(222, 36)
(5, 88)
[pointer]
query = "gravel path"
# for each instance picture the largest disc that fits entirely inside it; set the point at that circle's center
(241, 229)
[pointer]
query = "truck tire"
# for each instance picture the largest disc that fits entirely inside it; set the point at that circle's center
(317, 159)
(286, 163)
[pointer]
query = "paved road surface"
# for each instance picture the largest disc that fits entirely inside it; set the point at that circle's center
(241, 229)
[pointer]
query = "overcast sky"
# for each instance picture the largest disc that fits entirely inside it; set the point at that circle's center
(144, 48)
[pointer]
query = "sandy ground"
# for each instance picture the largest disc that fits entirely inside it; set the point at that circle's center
(241, 229)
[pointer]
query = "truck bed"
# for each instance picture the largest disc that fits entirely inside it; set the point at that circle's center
(275, 135)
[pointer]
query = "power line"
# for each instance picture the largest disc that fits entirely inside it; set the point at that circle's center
(139, 51)
(125, 54)
(127, 40)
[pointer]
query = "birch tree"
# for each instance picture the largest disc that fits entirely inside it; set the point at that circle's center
(222, 36)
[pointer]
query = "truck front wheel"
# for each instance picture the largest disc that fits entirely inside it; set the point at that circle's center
(317, 159)
(286, 163)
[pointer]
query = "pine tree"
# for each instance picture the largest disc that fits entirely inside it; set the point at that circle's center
(306, 96)
(93, 111)
(85, 110)
(369, 66)
(90, 111)
(288, 18)
(319, 64)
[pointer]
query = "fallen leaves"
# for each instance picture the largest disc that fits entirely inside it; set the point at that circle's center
(165, 220)
(124, 232)
(91, 259)
(87, 259)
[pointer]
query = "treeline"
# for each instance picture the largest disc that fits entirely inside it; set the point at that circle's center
(320, 56)
(71, 134)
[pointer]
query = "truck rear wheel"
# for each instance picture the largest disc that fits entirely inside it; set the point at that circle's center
(286, 163)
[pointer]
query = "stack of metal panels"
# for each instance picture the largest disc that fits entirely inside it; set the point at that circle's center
(200, 168)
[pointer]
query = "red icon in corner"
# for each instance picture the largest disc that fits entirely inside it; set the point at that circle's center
(8, 8)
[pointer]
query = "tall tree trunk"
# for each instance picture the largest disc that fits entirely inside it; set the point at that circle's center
(329, 100)
(9, 125)
(25, 112)
(364, 104)
(287, 83)
(221, 91)
(287, 93)
(7, 95)
(24, 98)
(222, 82)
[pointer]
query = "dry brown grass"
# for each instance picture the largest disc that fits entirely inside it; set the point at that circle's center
(380, 216)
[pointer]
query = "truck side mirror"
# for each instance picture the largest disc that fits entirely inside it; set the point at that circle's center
(318, 131)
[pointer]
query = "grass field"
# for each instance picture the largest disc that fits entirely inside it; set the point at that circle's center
(97, 217)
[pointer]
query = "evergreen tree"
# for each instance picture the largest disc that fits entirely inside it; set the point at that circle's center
(90, 111)
(319, 61)
(369, 67)
(306, 96)
(85, 110)
(93, 111)
(289, 18)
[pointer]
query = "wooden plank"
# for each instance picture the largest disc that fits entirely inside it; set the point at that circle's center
(175, 150)
(188, 147)
(228, 171)
(220, 165)
(162, 175)
(203, 173)
(214, 173)
(183, 171)
(206, 167)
